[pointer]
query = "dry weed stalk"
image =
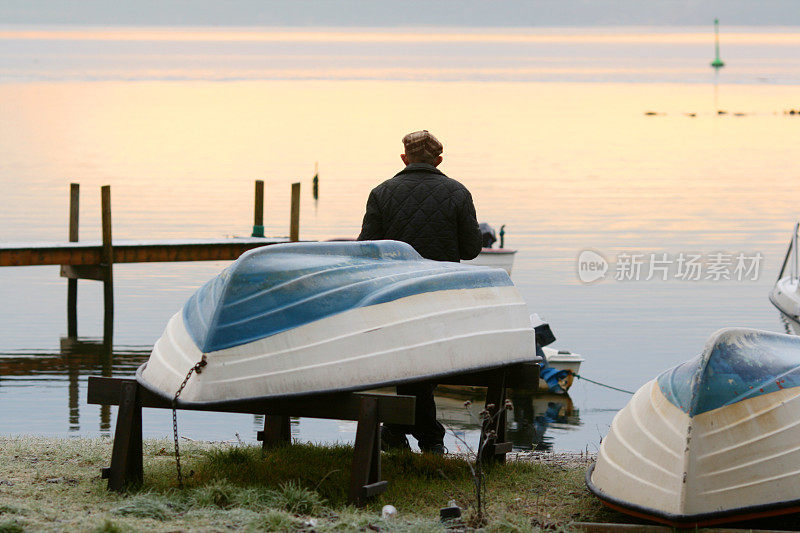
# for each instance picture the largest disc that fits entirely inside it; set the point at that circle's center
(490, 425)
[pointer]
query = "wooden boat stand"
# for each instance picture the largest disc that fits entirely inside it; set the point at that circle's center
(367, 408)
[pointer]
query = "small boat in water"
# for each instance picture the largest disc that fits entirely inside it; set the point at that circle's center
(712, 440)
(561, 360)
(494, 257)
(785, 295)
(305, 318)
(500, 257)
(564, 363)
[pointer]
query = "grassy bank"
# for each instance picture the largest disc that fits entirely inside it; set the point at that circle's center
(54, 484)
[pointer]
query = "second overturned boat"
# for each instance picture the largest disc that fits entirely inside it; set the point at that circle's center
(305, 318)
(712, 440)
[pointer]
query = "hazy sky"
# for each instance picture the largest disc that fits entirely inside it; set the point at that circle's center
(512, 13)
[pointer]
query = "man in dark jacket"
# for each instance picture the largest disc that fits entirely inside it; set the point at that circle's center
(423, 207)
(434, 214)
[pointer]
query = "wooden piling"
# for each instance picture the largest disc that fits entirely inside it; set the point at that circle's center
(294, 223)
(258, 212)
(74, 204)
(315, 182)
(72, 283)
(105, 206)
(107, 263)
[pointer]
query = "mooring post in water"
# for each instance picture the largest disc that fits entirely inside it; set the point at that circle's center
(258, 212)
(72, 283)
(315, 182)
(106, 265)
(294, 223)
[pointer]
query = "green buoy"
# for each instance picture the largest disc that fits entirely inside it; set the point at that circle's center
(717, 63)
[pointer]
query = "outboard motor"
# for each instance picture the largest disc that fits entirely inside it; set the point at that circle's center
(544, 336)
(488, 234)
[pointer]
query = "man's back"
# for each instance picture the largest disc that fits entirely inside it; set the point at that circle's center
(426, 209)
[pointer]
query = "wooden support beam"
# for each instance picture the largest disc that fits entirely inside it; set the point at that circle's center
(339, 406)
(364, 469)
(126, 456)
(76, 272)
(294, 223)
(277, 432)
(72, 283)
(258, 211)
(375, 462)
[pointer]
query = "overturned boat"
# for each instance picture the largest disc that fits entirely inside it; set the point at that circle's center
(304, 318)
(712, 440)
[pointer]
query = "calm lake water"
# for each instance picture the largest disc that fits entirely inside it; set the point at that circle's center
(607, 140)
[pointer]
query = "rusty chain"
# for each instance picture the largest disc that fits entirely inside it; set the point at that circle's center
(198, 367)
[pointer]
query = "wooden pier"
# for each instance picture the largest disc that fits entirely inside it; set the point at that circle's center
(106, 252)
(95, 260)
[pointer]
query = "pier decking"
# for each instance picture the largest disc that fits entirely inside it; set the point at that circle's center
(129, 251)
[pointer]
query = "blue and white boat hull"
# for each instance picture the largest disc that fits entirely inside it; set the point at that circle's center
(421, 319)
(713, 440)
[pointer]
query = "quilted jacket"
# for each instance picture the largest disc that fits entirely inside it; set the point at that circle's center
(426, 209)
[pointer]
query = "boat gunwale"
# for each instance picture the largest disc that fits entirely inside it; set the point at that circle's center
(701, 519)
(355, 388)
